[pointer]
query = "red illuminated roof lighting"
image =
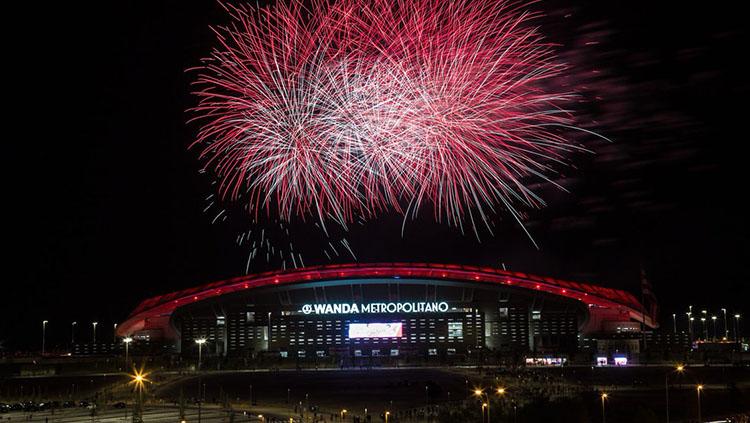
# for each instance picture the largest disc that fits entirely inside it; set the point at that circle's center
(161, 307)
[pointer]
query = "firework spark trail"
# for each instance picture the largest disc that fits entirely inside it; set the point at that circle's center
(343, 110)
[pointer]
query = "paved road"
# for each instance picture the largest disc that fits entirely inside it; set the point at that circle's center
(150, 415)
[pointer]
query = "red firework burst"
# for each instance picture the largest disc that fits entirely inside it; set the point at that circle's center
(348, 108)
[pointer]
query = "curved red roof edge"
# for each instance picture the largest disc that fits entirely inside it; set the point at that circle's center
(156, 311)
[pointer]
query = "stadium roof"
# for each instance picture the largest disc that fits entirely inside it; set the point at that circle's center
(153, 312)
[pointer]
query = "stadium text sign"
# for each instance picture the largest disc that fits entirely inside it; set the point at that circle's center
(370, 308)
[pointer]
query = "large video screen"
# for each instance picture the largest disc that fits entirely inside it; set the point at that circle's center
(376, 330)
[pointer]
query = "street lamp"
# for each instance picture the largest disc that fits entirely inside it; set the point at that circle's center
(44, 334)
(737, 327)
(713, 320)
(387, 413)
(705, 329)
(269, 328)
(94, 338)
(679, 369)
(114, 334)
(692, 335)
(482, 395)
(138, 380)
(604, 397)
(698, 389)
(127, 340)
(726, 328)
(73, 333)
(200, 343)
(343, 414)
(674, 323)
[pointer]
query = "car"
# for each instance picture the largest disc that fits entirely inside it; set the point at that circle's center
(29, 406)
(119, 405)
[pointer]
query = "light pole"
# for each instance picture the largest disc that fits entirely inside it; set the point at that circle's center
(691, 329)
(94, 338)
(200, 343)
(482, 395)
(343, 414)
(387, 413)
(726, 328)
(114, 334)
(138, 380)
(713, 320)
(127, 340)
(674, 323)
(73, 333)
(501, 393)
(269, 330)
(705, 329)
(679, 369)
(44, 334)
(604, 397)
(737, 328)
(698, 389)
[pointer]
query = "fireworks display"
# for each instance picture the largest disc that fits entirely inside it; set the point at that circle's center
(343, 110)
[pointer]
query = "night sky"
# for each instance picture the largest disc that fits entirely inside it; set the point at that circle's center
(106, 203)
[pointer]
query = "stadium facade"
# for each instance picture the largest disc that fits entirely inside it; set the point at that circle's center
(392, 309)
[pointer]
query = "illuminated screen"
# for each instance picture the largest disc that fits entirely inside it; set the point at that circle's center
(375, 330)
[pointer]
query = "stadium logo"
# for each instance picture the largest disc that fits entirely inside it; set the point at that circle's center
(371, 308)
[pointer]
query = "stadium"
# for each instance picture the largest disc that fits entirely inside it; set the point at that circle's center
(384, 310)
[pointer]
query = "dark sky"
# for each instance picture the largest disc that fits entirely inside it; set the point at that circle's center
(106, 205)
